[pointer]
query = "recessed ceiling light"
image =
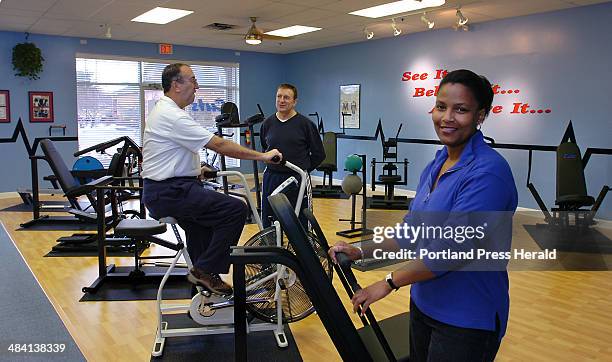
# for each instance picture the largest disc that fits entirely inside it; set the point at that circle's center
(161, 15)
(292, 31)
(397, 7)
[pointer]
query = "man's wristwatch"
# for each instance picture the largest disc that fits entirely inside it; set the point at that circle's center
(389, 279)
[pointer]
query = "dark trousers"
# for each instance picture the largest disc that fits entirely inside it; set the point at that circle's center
(271, 180)
(212, 221)
(434, 341)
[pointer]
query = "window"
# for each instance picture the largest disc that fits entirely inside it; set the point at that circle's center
(114, 97)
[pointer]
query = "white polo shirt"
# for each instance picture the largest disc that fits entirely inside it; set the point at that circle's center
(172, 139)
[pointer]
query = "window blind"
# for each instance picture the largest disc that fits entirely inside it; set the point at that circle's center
(111, 93)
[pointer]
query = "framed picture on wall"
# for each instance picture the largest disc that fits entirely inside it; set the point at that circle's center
(349, 106)
(41, 106)
(5, 106)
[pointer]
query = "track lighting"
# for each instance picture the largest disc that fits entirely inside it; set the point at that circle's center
(396, 31)
(430, 24)
(461, 20)
(108, 34)
(368, 33)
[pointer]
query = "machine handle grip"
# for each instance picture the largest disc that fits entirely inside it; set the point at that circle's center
(345, 264)
(209, 174)
(276, 159)
(99, 147)
(343, 260)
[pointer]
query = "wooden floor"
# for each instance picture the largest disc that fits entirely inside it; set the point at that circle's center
(554, 316)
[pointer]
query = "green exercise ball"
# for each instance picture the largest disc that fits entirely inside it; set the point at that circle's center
(351, 184)
(353, 163)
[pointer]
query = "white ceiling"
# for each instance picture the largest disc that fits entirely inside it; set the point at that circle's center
(87, 19)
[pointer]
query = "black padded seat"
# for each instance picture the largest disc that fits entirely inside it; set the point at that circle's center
(571, 185)
(327, 167)
(330, 145)
(71, 188)
(576, 200)
(139, 227)
(389, 178)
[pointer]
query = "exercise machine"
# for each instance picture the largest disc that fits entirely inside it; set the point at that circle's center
(32, 196)
(571, 191)
(229, 118)
(71, 189)
(136, 232)
(389, 177)
(329, 164)
(387, 340)
(71, 183)
(124, 166)
(275, 295)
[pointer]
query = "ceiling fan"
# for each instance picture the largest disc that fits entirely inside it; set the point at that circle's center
(254, 36)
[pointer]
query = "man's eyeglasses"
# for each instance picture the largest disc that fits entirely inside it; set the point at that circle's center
(181, 80)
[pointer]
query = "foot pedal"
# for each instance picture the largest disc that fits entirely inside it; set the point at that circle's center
(282, 285)
(158, 346)
(207, 292)
(281, 339)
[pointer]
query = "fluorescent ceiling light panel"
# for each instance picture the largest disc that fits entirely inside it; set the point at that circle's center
(161, 15)
(397, 7)
(292, 31)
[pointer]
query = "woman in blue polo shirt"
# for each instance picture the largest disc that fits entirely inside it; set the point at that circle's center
(455, 315)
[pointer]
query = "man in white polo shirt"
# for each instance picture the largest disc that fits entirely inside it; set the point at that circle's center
(171, 166)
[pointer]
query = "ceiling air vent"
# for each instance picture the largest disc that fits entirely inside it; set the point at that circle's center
(220, 26)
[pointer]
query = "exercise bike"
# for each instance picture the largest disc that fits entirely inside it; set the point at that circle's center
(274, 294)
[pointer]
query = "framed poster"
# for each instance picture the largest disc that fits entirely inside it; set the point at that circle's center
(349, 106)
(41, 106)
(5, 106)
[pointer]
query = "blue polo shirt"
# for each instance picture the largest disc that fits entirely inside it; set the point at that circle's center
(481, 181)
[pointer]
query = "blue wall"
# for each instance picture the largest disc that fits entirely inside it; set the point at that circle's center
(259, 76)
(558, 61)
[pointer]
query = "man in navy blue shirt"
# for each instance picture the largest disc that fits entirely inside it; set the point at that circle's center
(459, 309)
(297, 138)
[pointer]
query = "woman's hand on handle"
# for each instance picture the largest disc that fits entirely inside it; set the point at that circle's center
(341, 247)
(364, 297)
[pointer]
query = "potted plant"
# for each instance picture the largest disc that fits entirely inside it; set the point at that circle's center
(27, 60)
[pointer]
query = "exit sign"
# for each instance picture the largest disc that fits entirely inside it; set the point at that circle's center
(165, 48)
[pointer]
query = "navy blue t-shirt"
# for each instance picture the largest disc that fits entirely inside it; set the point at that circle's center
(296, 138)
